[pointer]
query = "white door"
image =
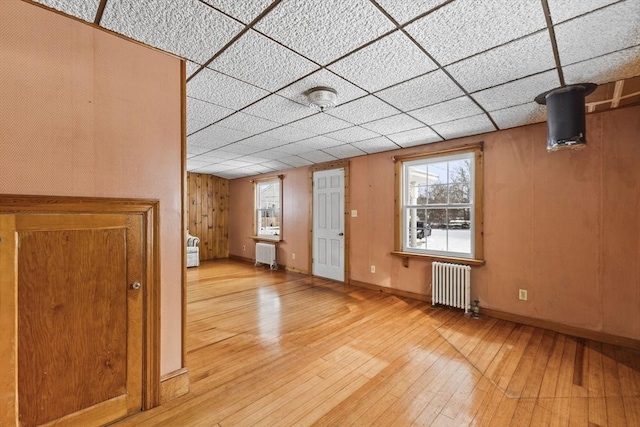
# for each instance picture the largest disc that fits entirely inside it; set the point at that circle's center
(328, 224)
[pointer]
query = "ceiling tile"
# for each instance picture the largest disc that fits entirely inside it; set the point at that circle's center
(263, 141)
(421, 91)
(320, 142)
(604, 31)
(363, 110)
(83, 9)
(279, 109)
(414, 137)
(293, 148)
(234, 174)
(245, 11)
(394, 124)
(375, 145)
(295, 161)
(403, 11)
(195, 164)
(215, 137)
(272, 154)
(561, 10)
(317, 156)
(518, 91)
(214, 87)
(352, 134)
(192, 67)
(201, 114)
(234, 163)
(324, 30)
(254, 159)
(217, 156)
(604, 69)
(212, 169)
(247, 123)
(257, 60)
(183, 28)
(465, 27)
(259, 169)
(463, 127)
(193, 150)
(344, 151)
(346, 91)
(241, 148)
(524, 57)
(320, 123)
(446, 111)
(288, 134)
(519, 115)
(276, 165)
(386, 62)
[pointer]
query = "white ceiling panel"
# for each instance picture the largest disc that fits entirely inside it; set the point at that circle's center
(561, 10)
(320, 142)
(320, 123)
(289, 134)
(463, 127)
(214, 87)
(187, 28)
(272, 154)
(421, 91)
(415, 137)
(276, 165)
(241, 148)
(195, 164)
(465, 27)
(352, 134)
(247, 123)
(201, 114)
(375, 145)
(254, 159)
(317, 156)
(217, 156)
(279, 109)
(363, 110)
(519, 115)
(257, 60)
(393, 124)
(192, 67)
(344, 151)
(324, 30)
(403, 11)
(604, 69)
(386, 62)
(195, 150)
(604, 31)
(259, 169)
(263, 141)
(213, 169)
(523, 57)
(235, 173)
(245, 11)
(517, 92)
(295, 161)
(346, 91)
(446, 111)
(292, 149)
(83, 9)
(234, 163)
(215, 137)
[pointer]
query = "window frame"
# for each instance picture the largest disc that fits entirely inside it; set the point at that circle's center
(477, 253)
(256, 208)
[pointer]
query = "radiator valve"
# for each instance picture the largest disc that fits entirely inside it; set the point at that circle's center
(475, 309)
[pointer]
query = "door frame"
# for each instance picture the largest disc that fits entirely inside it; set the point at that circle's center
(19, 204)
(339, 164)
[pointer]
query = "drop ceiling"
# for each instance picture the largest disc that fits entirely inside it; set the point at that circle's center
(407, 72)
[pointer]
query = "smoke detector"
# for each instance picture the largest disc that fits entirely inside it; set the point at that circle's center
(322, 98)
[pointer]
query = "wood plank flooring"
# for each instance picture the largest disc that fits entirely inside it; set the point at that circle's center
(273, 348)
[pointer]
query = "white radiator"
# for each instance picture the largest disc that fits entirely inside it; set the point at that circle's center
(451, 285)
(266, 254)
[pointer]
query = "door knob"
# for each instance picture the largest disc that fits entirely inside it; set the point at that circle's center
(136, 285)
(340, 234)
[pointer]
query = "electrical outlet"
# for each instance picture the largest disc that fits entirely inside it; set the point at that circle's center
(373, 268)
(354, 213)
(522, 294)
(293, 256)
(244, 248)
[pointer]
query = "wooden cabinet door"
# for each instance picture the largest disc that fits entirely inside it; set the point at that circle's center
(80, 317)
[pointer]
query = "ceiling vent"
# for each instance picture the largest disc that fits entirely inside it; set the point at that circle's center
(322, 98)
(566, 123)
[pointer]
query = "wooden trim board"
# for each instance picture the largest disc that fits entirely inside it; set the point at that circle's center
(174, 385)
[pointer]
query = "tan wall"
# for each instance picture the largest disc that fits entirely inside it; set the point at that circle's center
(295, 219)
(208, 214)
(565, 225)
(86, 113)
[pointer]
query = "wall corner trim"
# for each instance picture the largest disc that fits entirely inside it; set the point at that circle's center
(174, 385)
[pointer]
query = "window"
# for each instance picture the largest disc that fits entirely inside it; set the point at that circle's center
(440, 215)
(269, 208)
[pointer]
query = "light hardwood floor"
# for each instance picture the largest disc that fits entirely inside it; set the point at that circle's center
(272, 348)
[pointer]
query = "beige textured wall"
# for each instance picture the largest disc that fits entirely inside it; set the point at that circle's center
(565, 225)
(86, 113)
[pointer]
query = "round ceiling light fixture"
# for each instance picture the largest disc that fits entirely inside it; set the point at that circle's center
(322, 97)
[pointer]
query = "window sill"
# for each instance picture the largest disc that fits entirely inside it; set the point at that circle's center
(406, 255)
(275, 239)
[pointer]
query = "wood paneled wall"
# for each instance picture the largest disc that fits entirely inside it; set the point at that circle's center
(208, 214)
